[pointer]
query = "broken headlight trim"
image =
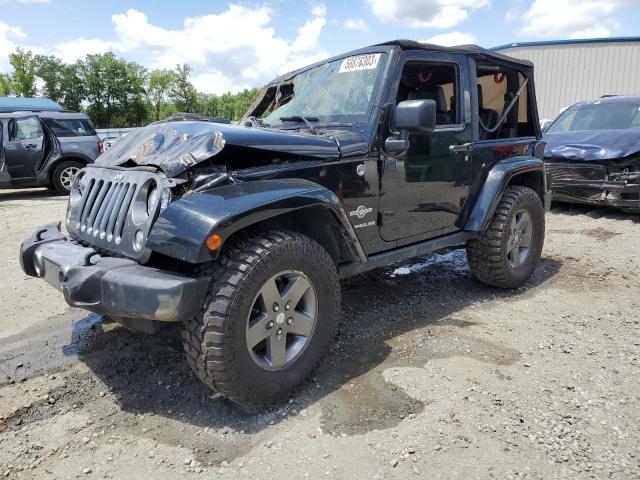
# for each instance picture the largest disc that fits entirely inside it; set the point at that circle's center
(81, 180)
(161, 196)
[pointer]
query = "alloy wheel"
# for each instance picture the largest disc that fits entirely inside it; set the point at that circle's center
(67, 176)
(520, 238)
(282, 320)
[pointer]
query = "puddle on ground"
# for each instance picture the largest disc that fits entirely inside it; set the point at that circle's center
(84, 335)
(368, 401)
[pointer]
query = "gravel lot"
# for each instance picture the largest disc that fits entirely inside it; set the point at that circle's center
(432, 375)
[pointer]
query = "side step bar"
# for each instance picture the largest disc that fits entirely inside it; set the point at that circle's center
(405, 253)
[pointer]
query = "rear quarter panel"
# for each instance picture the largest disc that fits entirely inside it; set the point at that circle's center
(85, 148)
(492, 164)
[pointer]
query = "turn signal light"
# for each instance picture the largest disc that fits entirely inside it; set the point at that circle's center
(214, 241)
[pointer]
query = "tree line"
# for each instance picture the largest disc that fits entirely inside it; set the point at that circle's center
(116, 92)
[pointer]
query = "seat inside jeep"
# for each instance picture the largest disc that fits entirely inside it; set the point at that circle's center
(422, 81)
(497, 86)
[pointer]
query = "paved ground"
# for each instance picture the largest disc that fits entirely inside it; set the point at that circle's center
(432, 376)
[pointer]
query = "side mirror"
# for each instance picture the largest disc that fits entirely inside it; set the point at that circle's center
(416, 116)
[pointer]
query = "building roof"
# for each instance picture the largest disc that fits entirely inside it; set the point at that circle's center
(566, 42)
(12, 104)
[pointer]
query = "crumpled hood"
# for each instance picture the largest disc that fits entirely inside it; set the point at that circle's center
(176, 146)
(592, 144)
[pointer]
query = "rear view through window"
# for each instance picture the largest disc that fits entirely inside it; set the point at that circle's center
(70, 127)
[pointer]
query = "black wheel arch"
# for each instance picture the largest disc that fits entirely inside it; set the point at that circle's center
(293, 204)
(523, 170)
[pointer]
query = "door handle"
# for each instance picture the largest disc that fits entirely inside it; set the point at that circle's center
(29, 146)
(465, 147)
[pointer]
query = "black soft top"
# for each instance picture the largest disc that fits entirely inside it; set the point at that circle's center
(473, 50)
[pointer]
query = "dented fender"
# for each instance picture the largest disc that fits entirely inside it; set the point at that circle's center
(182, 228)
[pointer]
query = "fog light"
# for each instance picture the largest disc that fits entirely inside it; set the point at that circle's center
(138, 241)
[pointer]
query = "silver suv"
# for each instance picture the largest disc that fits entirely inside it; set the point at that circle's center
(45, 149)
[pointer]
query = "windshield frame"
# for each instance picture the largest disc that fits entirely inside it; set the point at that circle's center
(578, 106)
(385, 61)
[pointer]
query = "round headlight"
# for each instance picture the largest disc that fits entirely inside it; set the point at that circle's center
(157, 197)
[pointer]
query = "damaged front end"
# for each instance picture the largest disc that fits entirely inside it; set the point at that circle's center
(107, 262)
(611, 182)
(595, 166)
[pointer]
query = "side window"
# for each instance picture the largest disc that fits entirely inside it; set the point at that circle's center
(498, 86)
(25, 129)
(432, 81)
(491, 93)
(69, 127)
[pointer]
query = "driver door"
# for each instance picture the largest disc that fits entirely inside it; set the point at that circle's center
(24, 148)
(424, 187)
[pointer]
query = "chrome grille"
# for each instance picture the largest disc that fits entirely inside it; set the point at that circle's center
(103, 209)
(109, 206)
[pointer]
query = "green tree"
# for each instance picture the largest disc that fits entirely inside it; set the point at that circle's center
(49, 69)
(159, 85)
(227, 105)
(61, 82)
(72, 89)
(6, 87)
(24, 72)
(113, 89)
(183, 93)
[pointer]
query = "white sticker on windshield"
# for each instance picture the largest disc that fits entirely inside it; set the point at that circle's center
(360, 62)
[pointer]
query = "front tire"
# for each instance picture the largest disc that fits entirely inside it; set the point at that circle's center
(269, 318)
(507, 252)
(63, 175)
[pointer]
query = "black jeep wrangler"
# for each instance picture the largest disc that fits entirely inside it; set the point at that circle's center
(242, 232)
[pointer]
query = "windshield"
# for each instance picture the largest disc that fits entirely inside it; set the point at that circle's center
(338, 91)
(598, 116)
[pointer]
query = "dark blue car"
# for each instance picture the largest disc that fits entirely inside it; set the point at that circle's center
(593, 153)
(43, 146)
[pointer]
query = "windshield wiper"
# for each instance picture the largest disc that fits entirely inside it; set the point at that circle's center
(300, 118)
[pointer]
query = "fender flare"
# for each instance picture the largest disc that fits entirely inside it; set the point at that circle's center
(182, 228)
(498, 178)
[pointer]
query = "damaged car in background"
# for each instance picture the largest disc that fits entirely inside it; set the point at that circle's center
(593, 153)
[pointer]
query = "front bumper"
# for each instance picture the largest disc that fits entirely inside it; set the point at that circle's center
(594, 184)
(623, 196)
(116, 287)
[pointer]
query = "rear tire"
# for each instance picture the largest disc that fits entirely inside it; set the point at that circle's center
(507, 252)
(63, 175)
(246, 344)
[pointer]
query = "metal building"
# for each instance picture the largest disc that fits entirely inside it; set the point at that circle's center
(567, 71)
